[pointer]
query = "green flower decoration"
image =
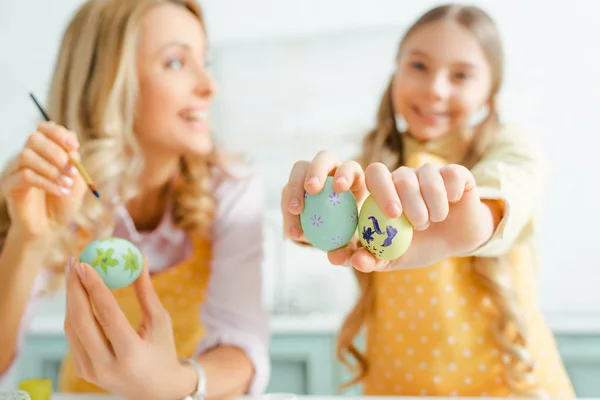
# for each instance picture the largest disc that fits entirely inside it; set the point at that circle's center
(132, 263)
(104, 259)
(108, 239)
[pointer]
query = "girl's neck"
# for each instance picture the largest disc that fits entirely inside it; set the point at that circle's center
(464, 134)
(452, 147)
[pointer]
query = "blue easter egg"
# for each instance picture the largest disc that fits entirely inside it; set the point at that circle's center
(118, 261)
(329, 219)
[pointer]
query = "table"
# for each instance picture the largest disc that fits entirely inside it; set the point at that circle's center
(275, 396)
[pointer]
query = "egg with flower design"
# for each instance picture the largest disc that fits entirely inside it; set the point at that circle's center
(385, 238)
(118, 261)
(329, 218)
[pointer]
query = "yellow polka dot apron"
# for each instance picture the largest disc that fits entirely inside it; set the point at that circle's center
(181, 289)
(430, 331)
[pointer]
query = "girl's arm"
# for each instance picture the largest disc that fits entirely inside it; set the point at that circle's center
(510, 180)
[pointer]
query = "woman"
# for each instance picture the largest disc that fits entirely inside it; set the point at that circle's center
(131, 82)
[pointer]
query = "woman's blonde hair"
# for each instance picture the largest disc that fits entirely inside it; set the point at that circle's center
(94, 92)
(384, 144)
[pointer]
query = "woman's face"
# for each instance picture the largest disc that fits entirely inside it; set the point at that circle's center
(176, 91)
(443, 78)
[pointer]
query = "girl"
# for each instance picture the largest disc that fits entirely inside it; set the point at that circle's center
(131, 81)
(469, 324)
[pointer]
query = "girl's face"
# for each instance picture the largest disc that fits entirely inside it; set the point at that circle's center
(442, 79)
(175, 89)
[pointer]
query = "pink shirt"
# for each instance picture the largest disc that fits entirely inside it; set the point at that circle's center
(233, 313)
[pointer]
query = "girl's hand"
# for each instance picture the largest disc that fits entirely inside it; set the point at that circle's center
(310, 177)
(43, 186)
(441, 202)
(109, 353)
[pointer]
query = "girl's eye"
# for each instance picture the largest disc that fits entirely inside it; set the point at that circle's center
(418, 65)
(463, 76)
(175, 64)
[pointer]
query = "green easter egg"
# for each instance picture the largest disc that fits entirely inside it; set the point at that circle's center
(116, 260)
(329, 219)
(385, 238)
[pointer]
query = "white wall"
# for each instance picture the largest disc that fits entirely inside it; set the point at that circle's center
(300, 75)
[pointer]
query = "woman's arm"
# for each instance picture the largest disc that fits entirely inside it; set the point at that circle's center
(20, 265)
(235, 351)
(143, 363)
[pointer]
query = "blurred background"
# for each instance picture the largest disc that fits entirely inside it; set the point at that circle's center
(298, 76)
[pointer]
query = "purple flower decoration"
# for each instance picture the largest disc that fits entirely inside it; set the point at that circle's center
(354, 217)
(338, 240)
(334, 198)
(317, 220)
(305, 195)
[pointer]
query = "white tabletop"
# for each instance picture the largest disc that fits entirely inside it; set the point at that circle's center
(273, 396)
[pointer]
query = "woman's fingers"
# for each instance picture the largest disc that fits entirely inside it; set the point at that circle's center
(109, 315)
(156, 317)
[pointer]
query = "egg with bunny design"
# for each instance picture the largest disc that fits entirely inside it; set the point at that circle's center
(329, 219)
(385, 238)
(118, 261)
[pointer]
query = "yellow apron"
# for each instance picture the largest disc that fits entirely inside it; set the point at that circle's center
(430, 331)
(182, 289)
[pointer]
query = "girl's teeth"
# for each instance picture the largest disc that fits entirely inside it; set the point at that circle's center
(196, 115)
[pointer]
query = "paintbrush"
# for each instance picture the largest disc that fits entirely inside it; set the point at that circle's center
(73, 160)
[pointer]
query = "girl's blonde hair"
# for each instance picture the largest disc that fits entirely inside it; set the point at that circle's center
(384, 144)
(94, 92)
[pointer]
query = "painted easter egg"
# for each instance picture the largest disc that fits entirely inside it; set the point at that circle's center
(329, 219)
(385, 238)
(116, 260)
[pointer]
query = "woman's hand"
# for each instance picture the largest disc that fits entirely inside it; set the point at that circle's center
(441, 202)
(109, 353)
(43, 186)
